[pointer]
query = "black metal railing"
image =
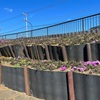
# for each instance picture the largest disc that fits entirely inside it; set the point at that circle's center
(82, 25)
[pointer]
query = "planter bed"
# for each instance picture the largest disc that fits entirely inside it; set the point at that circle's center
(49, 52)
(75, 48)
(49, 85)
(52, 84)
(87, 87)
(48, 78)
(64, 40)
(88, 67)
(13, 78)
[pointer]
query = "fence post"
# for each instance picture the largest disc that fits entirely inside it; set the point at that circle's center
(16, 35)
(47, 31)
(5, 36)
(0, 73)
(31, 34)
(83, 25)
(71, 86)
(26, 78)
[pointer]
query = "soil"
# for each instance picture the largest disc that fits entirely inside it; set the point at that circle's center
(9, 94)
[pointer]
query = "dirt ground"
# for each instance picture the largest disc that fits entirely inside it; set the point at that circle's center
(8, 94)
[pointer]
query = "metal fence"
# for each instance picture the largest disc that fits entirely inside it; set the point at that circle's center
(84, 24)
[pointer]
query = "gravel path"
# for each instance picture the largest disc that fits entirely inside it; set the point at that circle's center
(8, 94)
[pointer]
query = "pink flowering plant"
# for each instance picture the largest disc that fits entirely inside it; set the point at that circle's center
(63, 68)
(92, 67)
(89, 67)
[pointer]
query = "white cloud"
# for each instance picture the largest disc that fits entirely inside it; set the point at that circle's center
(8, 9)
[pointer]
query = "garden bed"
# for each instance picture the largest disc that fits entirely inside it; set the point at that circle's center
(49, 60)
(52, 85)
(88, 67)
(63, 40)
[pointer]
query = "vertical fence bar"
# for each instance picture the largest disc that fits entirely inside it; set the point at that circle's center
(83, 25)
(16, 35)
(80, 25)
(31, 34)
(47, 32)
(5, 36)
(90, 24)
(99, 19)
(77, 26)
(93, 21)
(96, 20)
(86, 23)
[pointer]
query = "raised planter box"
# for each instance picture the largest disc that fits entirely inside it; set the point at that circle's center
(53, 85)
(87, 87)
(55, 53)
(95, 51)
(49, 85)
(13, 78)
(83, 52)
(18, 50)
(76, 52)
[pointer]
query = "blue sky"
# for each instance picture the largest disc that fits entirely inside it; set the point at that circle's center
(42, 12)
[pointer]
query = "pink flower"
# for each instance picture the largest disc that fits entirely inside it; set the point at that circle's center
(81, 69)
(94, 63)
(16, 58)
(88, 63)
(97, 62)
(19, 57)
(80, 62)
(43, 61)
(72, 69)
(84, 66)
(63, 68)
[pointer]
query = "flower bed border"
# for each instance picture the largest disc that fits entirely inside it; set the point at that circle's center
(51, 85)
(83, 52)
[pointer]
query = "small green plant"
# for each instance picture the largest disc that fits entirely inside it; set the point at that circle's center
(17, 66)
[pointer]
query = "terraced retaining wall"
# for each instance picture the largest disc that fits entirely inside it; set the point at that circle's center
(53, 85)
(82, 52)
